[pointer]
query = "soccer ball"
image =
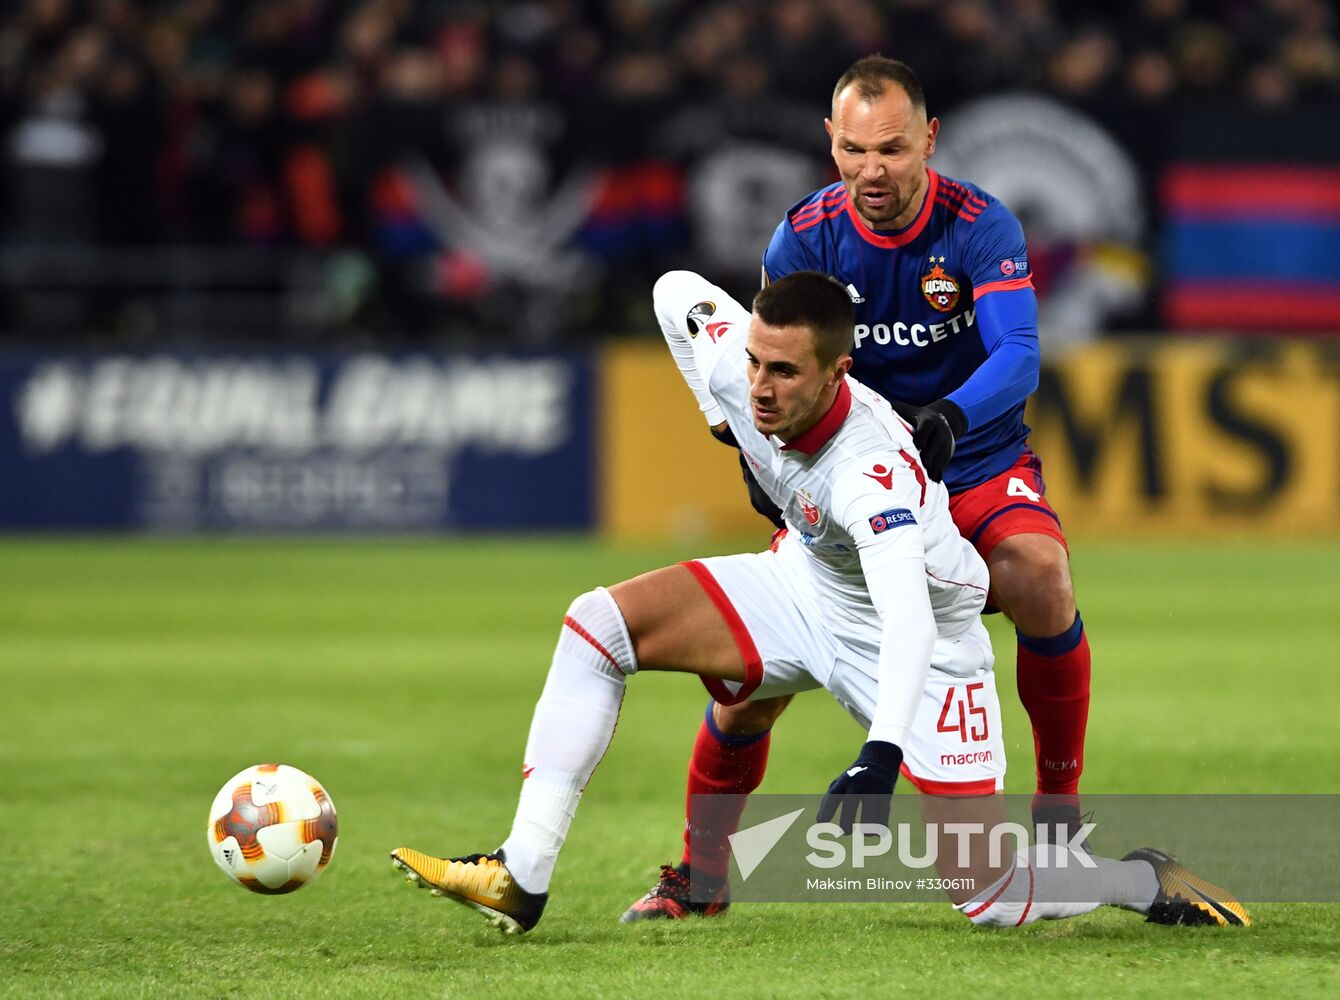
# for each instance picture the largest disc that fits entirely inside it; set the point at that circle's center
(272, 828)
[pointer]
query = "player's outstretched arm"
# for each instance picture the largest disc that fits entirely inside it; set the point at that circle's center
(685, 303)
(687, 306)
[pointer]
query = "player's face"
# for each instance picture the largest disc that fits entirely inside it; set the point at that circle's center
(881, 148)
(789, 390)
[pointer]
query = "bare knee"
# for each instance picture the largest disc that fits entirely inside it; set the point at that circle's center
(749, 716)
(1030, 582)
(674, 625)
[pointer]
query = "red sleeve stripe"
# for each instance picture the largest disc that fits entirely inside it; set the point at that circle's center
(962, 195)
(962, 210)
(962, 198)
(744, 642)
(951, 190)
(576, 626)
(1002, 286)
(964, 192)
(813, 221)
(818, 207)
(832, 196)
(958, 198)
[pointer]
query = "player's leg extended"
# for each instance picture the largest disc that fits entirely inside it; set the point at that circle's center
(1018, 886)
(659, 621)
(730, 756)
(1030, 579)
(1046, 881)
(728, 761)
(753, 596)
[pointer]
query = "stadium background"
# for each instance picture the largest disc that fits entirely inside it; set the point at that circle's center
(319, 265)
(279, 276)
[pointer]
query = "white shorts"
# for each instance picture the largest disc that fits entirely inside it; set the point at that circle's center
(955, 746)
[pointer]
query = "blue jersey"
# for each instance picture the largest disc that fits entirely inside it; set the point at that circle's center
(944, 308)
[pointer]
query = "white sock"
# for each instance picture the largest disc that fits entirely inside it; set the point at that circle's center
(1039, 888)
(569, 733)
(1131, 885)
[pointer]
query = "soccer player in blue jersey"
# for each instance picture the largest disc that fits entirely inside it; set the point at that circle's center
(946, 324)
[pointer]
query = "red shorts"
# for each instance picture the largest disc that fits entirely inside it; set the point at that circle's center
(1012, 503)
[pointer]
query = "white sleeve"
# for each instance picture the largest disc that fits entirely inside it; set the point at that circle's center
(883, 522)
(696, 351)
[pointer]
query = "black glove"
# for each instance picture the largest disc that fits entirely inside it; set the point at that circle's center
(759, 500)
(938, 426)
(724, 434)
(908, 411)
(867, 784)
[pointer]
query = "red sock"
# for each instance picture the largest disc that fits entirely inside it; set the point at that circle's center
(722, 765)
(1053, 679)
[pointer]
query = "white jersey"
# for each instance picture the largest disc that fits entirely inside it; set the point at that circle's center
(870, 533)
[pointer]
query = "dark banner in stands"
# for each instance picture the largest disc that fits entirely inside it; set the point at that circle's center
(296, 442)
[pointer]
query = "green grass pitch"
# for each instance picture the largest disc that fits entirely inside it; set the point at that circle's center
(136, 676)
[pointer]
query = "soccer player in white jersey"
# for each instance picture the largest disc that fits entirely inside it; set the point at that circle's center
(872, 594)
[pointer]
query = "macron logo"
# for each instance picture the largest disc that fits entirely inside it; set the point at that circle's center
(751, 846)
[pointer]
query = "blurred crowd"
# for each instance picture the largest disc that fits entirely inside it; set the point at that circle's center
(355, 123)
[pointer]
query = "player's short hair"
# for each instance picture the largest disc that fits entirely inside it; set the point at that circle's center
(872, 75)
(814, 300)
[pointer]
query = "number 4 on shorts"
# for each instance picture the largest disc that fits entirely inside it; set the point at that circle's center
(1018, 488)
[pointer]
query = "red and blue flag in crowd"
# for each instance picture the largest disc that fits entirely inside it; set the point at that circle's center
(1252, 247)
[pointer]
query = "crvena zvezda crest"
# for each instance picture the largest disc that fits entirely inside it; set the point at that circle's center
(808, 509)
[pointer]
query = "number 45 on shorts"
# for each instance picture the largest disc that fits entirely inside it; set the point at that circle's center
(960, 714)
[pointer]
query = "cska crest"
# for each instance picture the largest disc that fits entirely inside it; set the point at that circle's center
(941, 289)
(809, 509)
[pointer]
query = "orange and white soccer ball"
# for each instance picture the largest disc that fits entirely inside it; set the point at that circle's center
(272, 828)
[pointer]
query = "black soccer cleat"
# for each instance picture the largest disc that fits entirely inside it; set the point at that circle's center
(1184, 898)
(480, 881)
(671, 899)
(1054, 812)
